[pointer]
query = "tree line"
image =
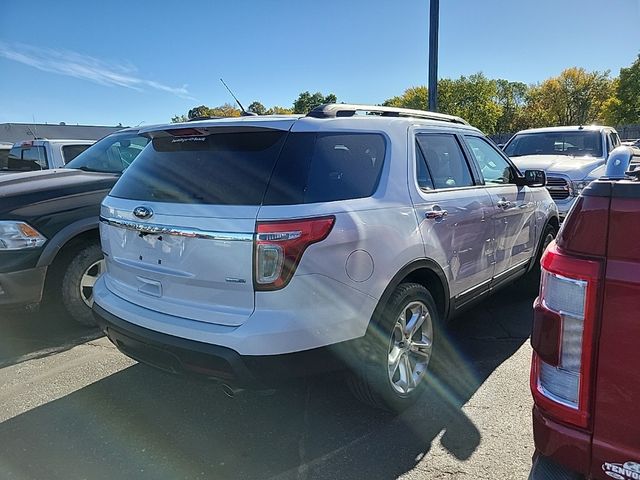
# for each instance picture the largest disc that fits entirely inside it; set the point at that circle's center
(575, 97)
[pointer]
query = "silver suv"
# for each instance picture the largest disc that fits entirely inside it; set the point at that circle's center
(255, 249)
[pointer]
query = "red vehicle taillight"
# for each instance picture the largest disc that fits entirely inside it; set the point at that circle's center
(279, 247)
(565, 316)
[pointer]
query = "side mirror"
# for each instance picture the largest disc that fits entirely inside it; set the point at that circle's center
(534, 178)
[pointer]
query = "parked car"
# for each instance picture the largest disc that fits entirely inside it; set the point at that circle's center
(568, 155)
(585, 378)
(42, 154)
(49, 226)
(4, 154)
(255, 249)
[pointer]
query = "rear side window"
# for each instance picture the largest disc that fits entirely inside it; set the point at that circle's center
(24, 159)
(69, 152)
(225, 168)
(327, 167)
(445, 161)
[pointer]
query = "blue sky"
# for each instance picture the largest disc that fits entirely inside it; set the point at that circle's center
(131, 62)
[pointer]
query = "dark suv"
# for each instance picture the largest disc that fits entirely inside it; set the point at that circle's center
(49, 226)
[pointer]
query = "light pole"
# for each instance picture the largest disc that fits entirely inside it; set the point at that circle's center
(434, 13)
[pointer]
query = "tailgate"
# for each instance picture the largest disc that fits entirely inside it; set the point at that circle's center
(194, 262)
(616, 432)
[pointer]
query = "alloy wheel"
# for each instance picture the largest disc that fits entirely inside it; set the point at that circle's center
(88, 280)
(410, 348)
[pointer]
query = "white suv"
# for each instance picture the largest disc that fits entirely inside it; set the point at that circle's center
(255, 249)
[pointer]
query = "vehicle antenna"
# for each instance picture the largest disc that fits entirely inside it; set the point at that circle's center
(35, 130)
(244, 112)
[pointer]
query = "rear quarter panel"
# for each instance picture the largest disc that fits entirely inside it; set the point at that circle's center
(616, 430)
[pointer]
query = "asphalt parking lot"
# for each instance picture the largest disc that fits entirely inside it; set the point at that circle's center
(73, 407)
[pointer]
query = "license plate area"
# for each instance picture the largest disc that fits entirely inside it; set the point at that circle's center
(163, 249)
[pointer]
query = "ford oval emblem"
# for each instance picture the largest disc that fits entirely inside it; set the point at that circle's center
(142, 212)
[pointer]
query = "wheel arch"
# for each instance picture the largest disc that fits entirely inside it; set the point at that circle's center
(555, 223)
(58, 252)
(61, 240)
(426, 272)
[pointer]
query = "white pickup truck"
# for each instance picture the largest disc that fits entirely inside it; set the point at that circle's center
(568, 155)
(42, 154)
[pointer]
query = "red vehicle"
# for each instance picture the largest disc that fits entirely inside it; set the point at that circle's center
(585, 372)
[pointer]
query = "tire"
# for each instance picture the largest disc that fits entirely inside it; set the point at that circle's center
(78, 280)
(531, 280)
(378, 380)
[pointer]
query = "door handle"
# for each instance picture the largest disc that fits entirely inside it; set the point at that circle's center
(505, 204)
(437, 215)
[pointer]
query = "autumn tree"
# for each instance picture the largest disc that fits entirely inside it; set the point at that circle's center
(575, 97)
(276, 110)
(201, 111)
(413, 97)
(307, 101)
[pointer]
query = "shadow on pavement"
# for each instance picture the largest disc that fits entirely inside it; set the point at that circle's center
(27, 334)
(144, 424)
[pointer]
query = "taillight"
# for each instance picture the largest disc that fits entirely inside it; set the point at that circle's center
(564, 320)
(279, 247)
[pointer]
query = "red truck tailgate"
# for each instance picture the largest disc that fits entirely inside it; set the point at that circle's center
(616, 428)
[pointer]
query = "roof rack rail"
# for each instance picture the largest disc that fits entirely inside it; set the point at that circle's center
(333, 110)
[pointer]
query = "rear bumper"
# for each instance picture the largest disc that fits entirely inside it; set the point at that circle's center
(190, 357)
(560, 448)
(22, 287)
(544, 468)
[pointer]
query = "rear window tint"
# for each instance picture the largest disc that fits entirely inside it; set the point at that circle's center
(24, 159)
(327, 167)
(226, 168)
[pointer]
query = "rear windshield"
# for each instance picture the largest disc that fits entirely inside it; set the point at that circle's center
(221, 168)
(577, 144)
(26, 158)
(254, 167)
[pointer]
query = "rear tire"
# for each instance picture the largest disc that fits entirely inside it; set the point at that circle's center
(394, 359)
(78, 280)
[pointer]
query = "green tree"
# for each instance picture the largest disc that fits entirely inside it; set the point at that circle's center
(257, 108)
(307, 101)
(511, 97)
(625, 108)
(179, 118)
(472, 98)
